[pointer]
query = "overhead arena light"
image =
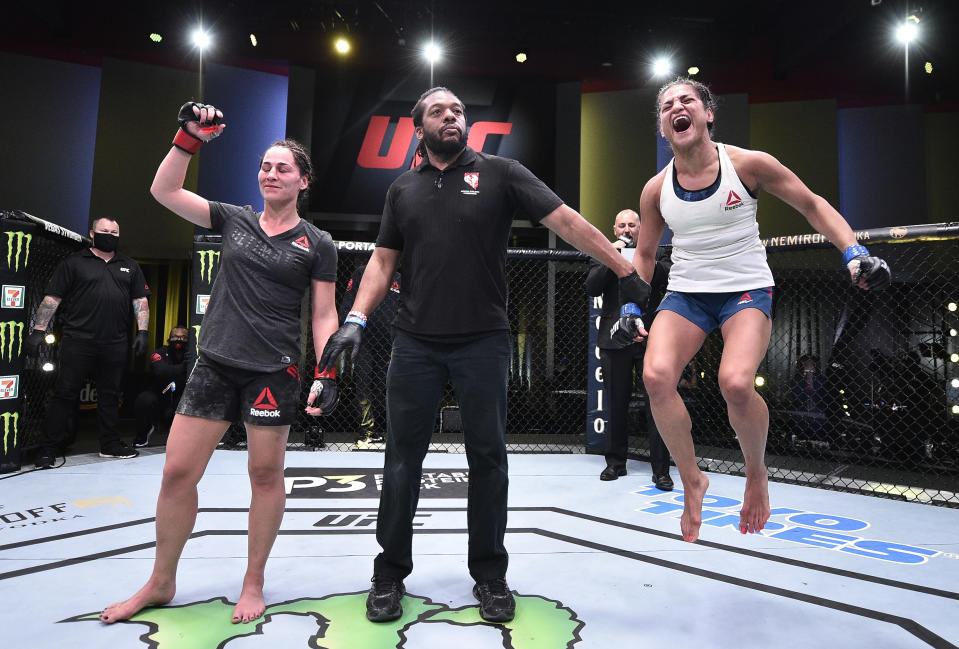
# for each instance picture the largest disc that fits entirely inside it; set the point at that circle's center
(909, 30)
(156, 38)
(342, 46)
(661, 67)
(693, 71)
(432, 52)
(49, 339)
(47, 367)
(521, 57)
(201, 38)
(253, 40)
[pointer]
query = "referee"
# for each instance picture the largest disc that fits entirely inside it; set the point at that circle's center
(447, 223)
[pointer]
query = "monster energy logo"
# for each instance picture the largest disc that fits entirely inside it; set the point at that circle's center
(196, 338)
(7, 417)
(10, 331)
(21, 237)
(207, 257)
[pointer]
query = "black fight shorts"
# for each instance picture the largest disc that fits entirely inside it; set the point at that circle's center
(216, 391)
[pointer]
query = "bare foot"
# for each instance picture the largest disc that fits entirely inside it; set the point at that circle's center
(755, 511)
(251, 604)
(693, 493)
(152, 594)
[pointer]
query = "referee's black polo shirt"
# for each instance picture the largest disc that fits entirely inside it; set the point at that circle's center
(97, 296)
(452, 228)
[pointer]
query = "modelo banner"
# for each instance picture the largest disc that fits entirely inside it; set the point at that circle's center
(596, 418)
(363, 134)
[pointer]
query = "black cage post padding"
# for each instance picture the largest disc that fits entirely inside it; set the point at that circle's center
(33, 249)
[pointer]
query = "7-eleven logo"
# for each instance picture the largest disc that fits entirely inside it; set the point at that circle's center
(12, 296)
(265, 401)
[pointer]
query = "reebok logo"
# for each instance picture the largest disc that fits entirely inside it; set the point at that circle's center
(745, 299)
(265, 405)
(733, 201)
(302, 243)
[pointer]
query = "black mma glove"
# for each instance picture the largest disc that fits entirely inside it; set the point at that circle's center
(184, 140)
(140, 343)
(633, 289)
(31, 346)
(872, 272)
(324, 393)
(627, 327)
(348, 337)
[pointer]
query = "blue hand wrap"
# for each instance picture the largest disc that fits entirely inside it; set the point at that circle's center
(355, 320)
(852, 252)
(631, 308)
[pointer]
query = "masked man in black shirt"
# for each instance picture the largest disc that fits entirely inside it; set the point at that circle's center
(156, 405)
(92, 292)
(446, 223)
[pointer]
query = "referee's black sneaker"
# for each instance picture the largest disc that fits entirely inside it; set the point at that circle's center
(119, 450)
(384, 603)
(496, 602)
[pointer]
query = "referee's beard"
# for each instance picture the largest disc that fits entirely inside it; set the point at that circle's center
(446, 148)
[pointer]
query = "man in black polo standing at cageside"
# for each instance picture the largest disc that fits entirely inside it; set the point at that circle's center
(94, 291)
(446, 223)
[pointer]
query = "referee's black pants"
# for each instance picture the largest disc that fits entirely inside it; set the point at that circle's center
(80, 359)
(415, 384)
(618, 368)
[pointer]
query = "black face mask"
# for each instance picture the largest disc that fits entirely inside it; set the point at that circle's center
(176, 347)
(105, 242)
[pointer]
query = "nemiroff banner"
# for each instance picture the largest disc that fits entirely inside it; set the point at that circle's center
(363, 134)
(19, 237)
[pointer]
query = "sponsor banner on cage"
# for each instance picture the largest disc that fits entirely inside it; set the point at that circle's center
(13, 296)
(595, 390)
(310, 482)
(9, 387)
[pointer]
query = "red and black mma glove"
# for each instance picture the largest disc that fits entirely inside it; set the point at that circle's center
(324, 393)
(873, 272)
(627, 327)
(184, 140)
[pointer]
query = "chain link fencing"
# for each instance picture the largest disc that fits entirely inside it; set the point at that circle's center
(862, 388)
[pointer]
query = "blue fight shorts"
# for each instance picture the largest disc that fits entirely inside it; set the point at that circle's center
(711, 310)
